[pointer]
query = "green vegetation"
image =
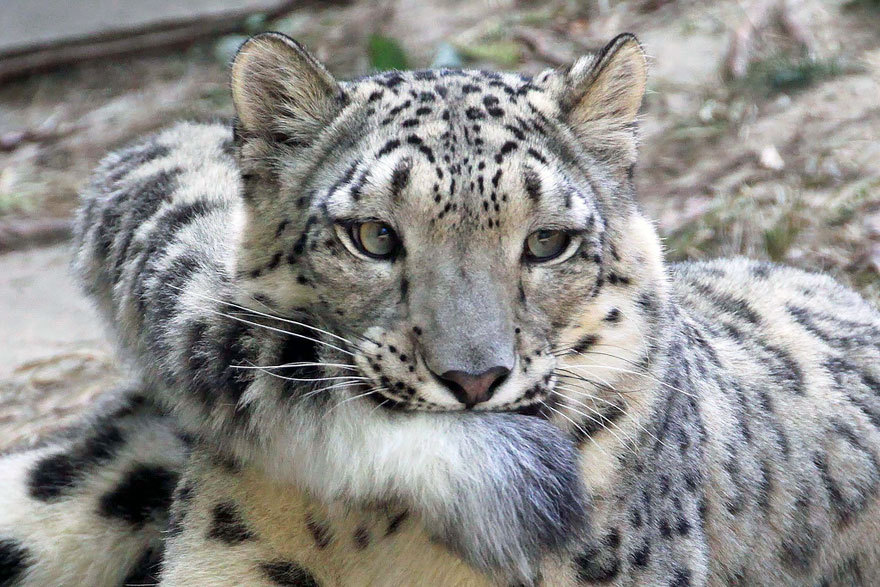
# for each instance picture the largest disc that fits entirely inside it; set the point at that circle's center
(790, 73)
(385, 53)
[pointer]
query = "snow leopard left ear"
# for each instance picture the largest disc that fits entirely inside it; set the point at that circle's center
(607, 87)
(281, 92)
(599, 98)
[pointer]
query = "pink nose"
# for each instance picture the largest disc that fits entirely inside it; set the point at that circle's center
(471, 389)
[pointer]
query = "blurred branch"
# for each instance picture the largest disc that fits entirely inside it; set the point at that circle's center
(19, 234)
(172, 34)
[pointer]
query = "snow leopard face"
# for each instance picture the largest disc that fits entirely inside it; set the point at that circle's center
(449, 230)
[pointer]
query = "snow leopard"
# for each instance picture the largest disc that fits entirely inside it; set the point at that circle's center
(415, 329)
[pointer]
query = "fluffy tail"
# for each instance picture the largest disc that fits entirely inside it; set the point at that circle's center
(90, 506)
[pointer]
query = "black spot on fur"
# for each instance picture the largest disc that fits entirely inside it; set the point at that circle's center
(14, 560)
(395, 523)
(56, 474)
(613, 315)
(505, 149)
(361, 537)
(585, 343)
(536, 155)
(134, 158)
(399, 179)
(288, 573)
(533, 185)
(320, 531)
(227, 526)
(388, 148)
(143, 495)
(599, 563)
(144, 200)
(146, 571)
(682, 578)
(180, 505)
(641, 555)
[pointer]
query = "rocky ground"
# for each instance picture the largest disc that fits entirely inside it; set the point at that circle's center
(770, 150)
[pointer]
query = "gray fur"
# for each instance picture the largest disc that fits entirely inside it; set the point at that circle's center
(725, 414)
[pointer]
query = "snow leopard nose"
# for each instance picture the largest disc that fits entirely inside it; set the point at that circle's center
(470, 388)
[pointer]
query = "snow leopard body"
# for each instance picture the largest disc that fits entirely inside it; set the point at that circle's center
(712, 423)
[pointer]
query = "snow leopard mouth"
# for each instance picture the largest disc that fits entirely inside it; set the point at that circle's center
(534, 409)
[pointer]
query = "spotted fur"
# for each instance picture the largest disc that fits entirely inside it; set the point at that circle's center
(711, 423)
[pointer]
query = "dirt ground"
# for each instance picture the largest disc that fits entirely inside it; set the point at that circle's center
(780, 162)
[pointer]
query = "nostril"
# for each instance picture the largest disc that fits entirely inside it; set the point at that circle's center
(474, 388)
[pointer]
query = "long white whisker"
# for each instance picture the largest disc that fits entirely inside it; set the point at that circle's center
(371, 391)
(576, 425)
(302, 379)
(601, 399)
(570, 387)
(601, 354)
(265, 315)
(602, 419)
(343, 385)
(385, 401)
(293, 365)
(578, 377)
(603, 381)
(280, 330)
(630, 371)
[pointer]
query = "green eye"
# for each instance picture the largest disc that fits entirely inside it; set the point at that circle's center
(374, 239)
(543, 245)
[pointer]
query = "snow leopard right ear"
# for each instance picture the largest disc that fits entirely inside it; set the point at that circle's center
(281, 92)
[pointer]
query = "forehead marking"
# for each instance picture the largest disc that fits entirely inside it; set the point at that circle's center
(388, 148)
(536, 155)
(400, 178)
(532, 183)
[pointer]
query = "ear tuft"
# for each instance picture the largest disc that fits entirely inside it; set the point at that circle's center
(607, 87)
(280, 91)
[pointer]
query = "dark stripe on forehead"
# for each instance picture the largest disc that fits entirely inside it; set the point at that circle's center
(533, 184)
(400, 178)
(536, 155)
(388, 148)
(423, 149)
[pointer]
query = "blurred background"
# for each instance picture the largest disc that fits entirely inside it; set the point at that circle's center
(761, 130)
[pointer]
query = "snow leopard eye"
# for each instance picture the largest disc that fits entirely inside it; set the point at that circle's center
(374, 239)
(544, 245)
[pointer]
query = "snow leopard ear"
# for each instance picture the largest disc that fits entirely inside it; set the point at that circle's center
(607, 87)
(600, 96)
(281, 92)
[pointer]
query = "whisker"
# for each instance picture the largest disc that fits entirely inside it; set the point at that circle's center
(309, 379)
(602, 419)
(343, 385)
(265, 315)
(638, 373)
(601, 354)
(583, 379)
(570, 387)
(371, 391)
(597, 398)
(280, 330)
(385, 401)
(293, 365)
(603, 381)
(576, 425)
